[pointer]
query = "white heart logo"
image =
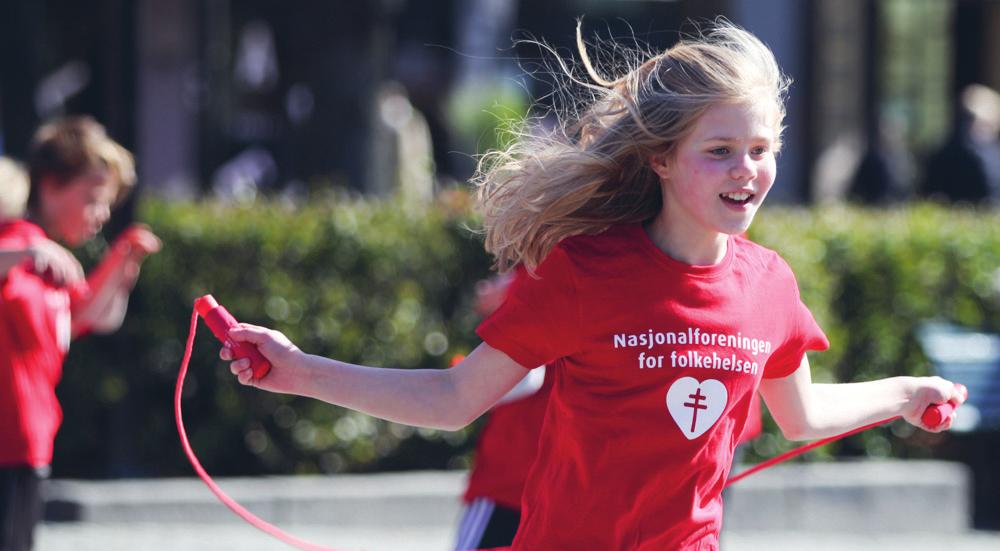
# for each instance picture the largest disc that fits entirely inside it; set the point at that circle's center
(696, 406)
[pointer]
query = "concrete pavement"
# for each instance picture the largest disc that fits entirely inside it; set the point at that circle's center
(172, 537)
(889, 506)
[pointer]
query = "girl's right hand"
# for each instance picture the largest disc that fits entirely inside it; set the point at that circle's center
(284, 356)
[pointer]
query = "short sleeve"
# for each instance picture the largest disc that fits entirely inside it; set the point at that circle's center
(802, 335)
(538, 322)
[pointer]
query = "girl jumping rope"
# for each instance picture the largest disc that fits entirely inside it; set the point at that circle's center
(659, 321)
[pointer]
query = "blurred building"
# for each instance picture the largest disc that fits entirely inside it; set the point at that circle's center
(251, 95)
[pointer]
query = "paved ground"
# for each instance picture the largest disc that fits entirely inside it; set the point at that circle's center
(172, 537)
(888, 506)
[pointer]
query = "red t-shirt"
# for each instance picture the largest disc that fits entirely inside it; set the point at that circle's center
(506, 448)
(656, 364)
(755, 423)
(34, 337)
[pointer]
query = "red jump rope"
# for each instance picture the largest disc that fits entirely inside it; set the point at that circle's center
(219, 320)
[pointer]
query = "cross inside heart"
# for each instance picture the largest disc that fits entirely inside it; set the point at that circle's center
(696, 406)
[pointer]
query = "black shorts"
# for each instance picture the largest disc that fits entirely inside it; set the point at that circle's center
(485, 525)
(20, 506)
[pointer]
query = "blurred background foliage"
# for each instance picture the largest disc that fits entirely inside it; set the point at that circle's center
(389, 283)
(870, 277)
(368, 281)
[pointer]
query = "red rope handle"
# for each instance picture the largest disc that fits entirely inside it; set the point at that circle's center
(246, 515)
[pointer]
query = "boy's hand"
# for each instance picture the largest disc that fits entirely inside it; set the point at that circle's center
(273, 345)
(52, 260)
(137, 242)
(133, 246)
(929, 391)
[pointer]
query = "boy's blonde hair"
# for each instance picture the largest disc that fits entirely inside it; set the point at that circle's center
(13, 189)
(67, 148)
(592, 171)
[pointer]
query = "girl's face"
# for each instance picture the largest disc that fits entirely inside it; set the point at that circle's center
(74, 212)
(720, 173)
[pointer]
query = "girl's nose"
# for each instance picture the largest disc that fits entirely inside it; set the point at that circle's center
(744, 169)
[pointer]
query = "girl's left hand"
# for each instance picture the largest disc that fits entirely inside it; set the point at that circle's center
(929, 391)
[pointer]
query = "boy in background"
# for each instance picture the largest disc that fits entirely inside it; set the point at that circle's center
(77, 174)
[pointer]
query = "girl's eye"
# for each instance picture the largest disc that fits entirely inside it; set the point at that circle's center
(720, 151)
(758, 151)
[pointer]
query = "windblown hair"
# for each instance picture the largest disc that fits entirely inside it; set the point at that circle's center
(592, 170)
(69, 147)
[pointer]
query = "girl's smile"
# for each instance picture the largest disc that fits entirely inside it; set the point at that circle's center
(739, 200)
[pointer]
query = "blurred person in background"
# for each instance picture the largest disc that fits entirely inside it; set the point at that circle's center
(506, 447)
(967, 166)
(77, 174)
(13, 189)
(884, 175)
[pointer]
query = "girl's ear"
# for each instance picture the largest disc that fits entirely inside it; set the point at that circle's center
(658, 162)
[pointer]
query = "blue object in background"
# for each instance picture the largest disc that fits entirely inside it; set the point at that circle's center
(972, 358)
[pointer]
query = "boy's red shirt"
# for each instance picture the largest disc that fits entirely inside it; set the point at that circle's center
(35, 332)
(656, 363)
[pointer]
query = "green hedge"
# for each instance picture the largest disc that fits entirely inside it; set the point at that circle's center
(387, 283)
(380, 283)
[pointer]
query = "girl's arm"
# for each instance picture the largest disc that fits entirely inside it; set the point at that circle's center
(102, 306)
(807, 411)
(445, 399)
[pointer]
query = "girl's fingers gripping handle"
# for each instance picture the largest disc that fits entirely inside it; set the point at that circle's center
(220, 321)
(936, 414)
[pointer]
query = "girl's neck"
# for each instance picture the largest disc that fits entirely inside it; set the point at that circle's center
(690, 247)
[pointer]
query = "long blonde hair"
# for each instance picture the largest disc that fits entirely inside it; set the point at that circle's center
(591, 171)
